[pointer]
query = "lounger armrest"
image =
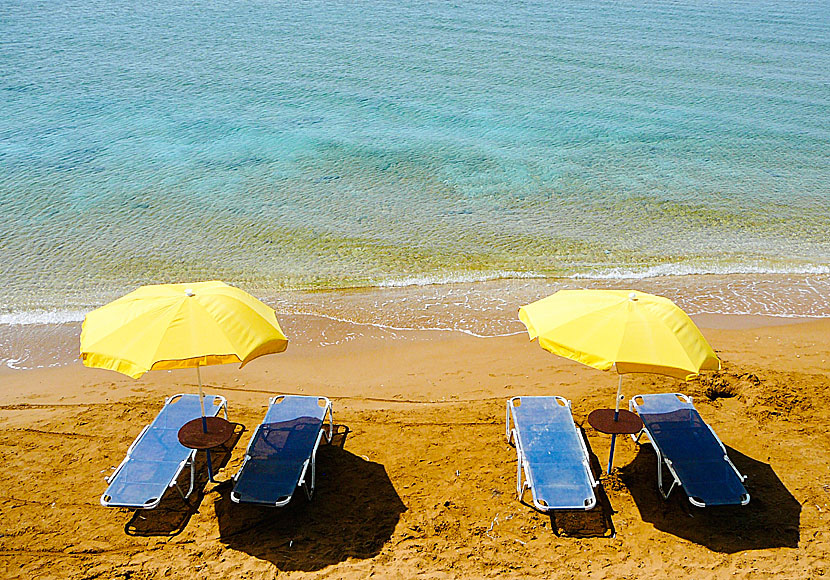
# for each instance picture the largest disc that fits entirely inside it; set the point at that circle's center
(182, 465)
(587, 460)
(330, 411)
(136, 440)
(124, 461)
(223, 405)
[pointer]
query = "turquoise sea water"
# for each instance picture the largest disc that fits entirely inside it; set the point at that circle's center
(288, 146)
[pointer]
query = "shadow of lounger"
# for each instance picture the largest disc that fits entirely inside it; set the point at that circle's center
(770, 520)
(354, 513)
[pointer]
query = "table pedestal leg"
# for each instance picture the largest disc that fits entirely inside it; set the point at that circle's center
(611, 455)
(210, 467)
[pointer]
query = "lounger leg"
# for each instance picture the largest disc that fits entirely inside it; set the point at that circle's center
(665, 494)
(192, 474)
(636, 437)
(313, 474)
(525, 486)
(660, 475)
(209, 467)
(185, 496)
(519, 477)
(522, 483)
(309, 490)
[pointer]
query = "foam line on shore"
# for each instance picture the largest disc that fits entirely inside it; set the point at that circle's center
(30, 317)
(664, 270)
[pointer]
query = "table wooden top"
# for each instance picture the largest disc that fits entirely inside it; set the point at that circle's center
(193, 436)
(603, 421)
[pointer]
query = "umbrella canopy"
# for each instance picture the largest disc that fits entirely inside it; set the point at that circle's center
(173, 326)
(633, 332)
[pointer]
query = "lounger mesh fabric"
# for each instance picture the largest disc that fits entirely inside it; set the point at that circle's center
(156, 457)
(556, 458)
(697, 456)
(279, 450)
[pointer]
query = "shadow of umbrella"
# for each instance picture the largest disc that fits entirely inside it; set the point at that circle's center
(353, 514)
(770, 520)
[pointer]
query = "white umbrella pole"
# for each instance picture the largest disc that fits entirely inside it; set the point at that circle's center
(201, 398)
(616, 418)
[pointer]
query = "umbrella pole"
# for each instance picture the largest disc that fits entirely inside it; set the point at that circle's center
(201, 399)
(204, 419)
(616, 418)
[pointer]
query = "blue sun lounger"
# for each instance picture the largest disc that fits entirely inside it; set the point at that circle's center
(282, 449)
(690, 449)
(155, 459)
(551, 454)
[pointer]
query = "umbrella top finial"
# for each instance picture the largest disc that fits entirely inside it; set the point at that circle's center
(189, 292)
(632, 296)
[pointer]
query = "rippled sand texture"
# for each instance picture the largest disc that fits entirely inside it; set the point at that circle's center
(420, 481)
(322, 145)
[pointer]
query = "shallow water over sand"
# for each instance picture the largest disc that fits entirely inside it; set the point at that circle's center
(485, 309)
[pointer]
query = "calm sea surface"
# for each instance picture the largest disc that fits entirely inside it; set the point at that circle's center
(295, 146)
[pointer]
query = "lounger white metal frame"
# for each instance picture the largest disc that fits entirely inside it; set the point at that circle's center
(662, 460)
(523, 466)
(312, 460)
(223, 406)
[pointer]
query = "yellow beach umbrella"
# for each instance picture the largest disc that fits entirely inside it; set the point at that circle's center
(631, 332)
(173, 326)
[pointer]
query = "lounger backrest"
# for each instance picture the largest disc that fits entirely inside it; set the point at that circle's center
(161, 437)
(180, 409)
(682, 434)
(288, 408)
(661, 403)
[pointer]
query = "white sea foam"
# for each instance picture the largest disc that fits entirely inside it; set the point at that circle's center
(42, 317)
(457, 278)
(657, 271)
(690, 270)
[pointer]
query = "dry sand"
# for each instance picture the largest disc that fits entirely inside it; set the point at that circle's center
(420, 481)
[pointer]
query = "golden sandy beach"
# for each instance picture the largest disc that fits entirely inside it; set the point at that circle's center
(419, 480)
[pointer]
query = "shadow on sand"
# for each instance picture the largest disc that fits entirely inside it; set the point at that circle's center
(173, 513)
(353, 513)
(770, 520)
